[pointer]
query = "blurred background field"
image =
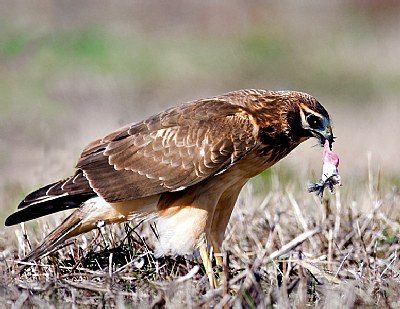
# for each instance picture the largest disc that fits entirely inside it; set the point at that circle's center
(72, 71)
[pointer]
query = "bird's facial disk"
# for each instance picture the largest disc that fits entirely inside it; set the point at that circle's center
(317, 125)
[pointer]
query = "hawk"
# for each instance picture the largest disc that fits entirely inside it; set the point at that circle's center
(183, 167)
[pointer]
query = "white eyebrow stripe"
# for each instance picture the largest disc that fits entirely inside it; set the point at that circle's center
(310, 111)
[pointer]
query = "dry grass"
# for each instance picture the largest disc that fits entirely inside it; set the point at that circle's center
(285, 250)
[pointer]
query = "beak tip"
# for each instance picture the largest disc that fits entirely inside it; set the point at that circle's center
(330, 140)
(327, 138)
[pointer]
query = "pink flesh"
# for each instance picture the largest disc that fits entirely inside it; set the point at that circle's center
(328, 156)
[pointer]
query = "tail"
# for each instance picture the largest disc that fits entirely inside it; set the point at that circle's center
(64, 194)
(56, 238)
(91, 214)
(75, 192)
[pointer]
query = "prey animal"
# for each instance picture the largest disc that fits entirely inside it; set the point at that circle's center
(330, 173)
(183, 168)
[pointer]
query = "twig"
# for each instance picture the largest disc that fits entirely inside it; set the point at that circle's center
(338, 214)
(189, 275)
(330, 249)
(391, 262)
(293, 244)
(132, 262)
(286, 248)
(297, 210)
(342, 263)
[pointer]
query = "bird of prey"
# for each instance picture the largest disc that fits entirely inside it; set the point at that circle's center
(183, 167)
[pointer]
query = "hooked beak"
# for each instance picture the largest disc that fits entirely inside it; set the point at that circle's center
(324, 135)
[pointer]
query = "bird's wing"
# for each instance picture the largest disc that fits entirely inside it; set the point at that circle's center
(170, 151)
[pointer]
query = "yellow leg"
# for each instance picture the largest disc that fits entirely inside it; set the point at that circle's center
(220, 219)
(217, 255)
(205, 257)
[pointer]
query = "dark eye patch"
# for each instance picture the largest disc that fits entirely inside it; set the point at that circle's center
(314, 121)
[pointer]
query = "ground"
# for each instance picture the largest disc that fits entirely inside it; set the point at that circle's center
(344, 254)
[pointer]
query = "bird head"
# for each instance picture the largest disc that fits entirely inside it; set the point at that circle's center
(315, 121)
(297, 114)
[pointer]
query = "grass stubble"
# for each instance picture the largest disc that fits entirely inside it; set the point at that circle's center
(286, 249)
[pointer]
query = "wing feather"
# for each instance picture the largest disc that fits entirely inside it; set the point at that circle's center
(174, 149)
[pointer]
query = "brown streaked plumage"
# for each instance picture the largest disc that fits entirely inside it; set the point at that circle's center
(183, 167)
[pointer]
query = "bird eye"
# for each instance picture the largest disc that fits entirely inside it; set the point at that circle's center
(314, 121)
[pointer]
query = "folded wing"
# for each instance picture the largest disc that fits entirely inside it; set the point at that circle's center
(170, 151)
